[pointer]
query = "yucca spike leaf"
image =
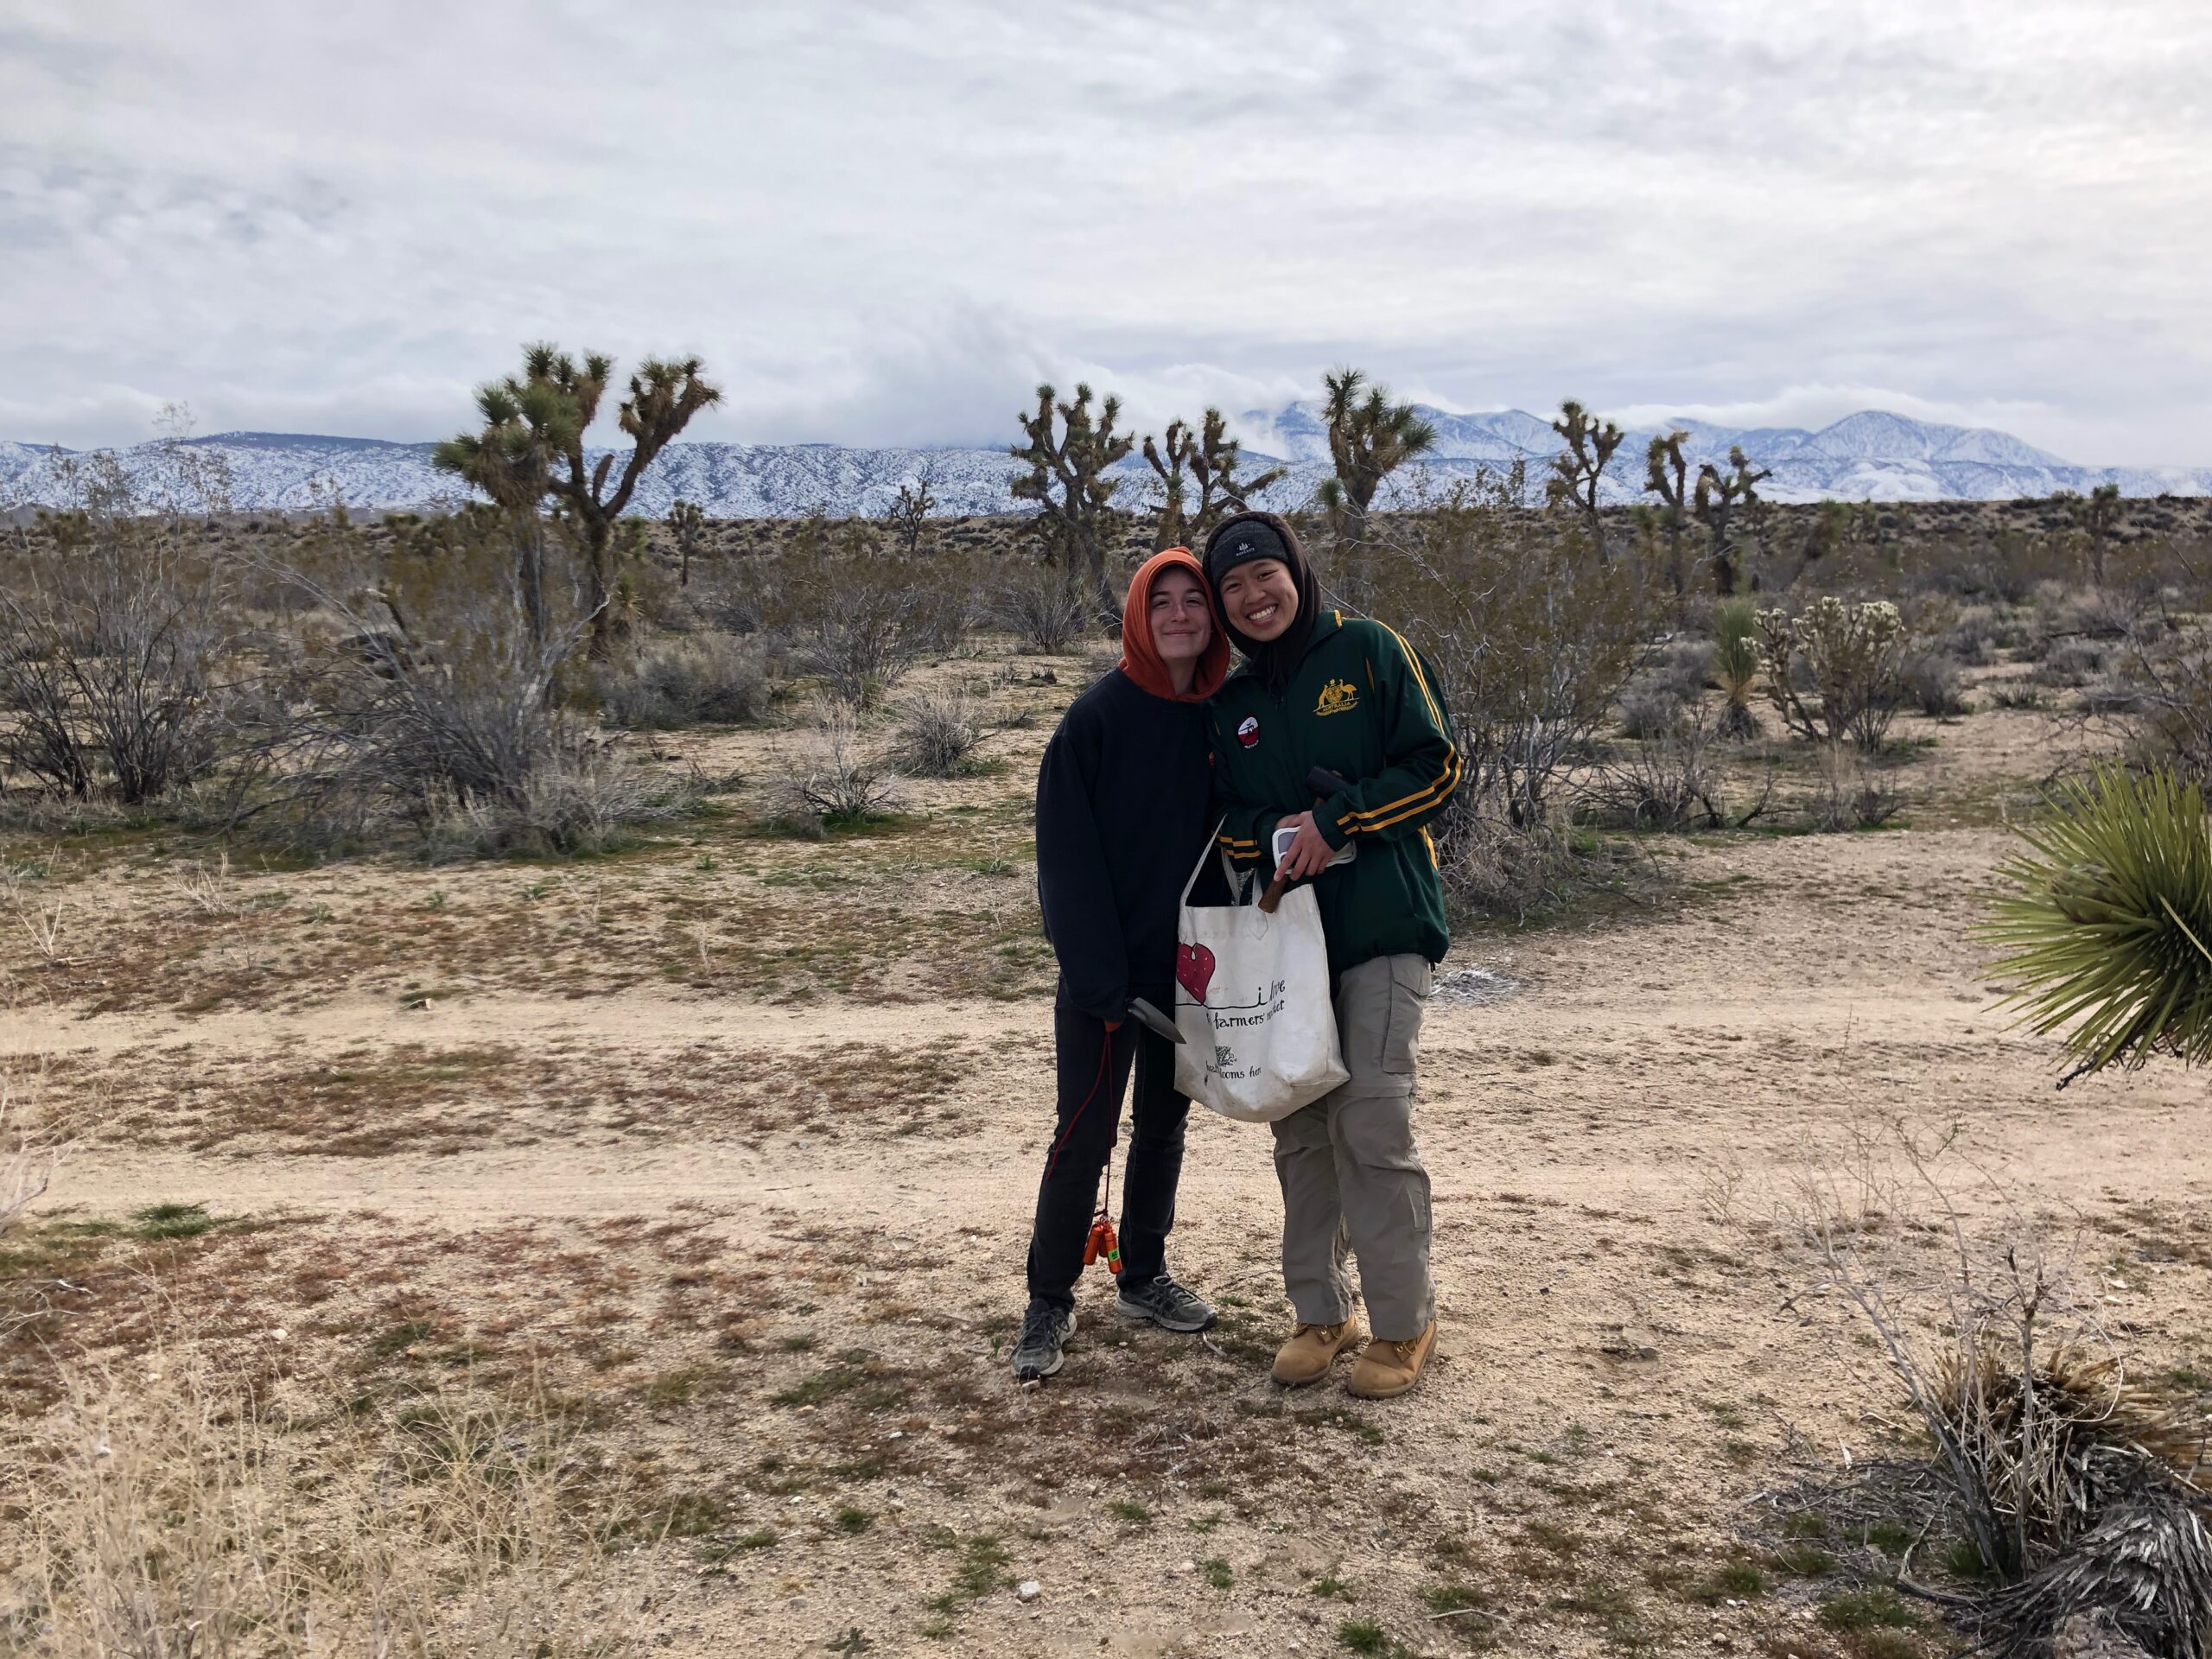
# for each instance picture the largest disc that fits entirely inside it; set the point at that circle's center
(2102, 935)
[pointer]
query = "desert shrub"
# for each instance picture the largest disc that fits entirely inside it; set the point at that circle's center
(1832, 669)
(1930, 679)
(447, 683)
(1651, 710)
(1672, 680)
(1973, 634)
(2070, 663)
(709, 680)
(828, 781)
(181, 1519)
(1854, 793)
(858, 613)
(1666, 779)
(2104, 918)
(1038, 604)
(1533, 635)
(119, 649)
(2157, 693)
(1736, 662)
(579, 800)
(938, 735)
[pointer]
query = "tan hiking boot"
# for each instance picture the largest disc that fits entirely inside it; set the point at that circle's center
(1390, 1368)
(1310, 1353)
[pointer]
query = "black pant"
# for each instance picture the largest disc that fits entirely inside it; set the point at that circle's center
(1094, 1071)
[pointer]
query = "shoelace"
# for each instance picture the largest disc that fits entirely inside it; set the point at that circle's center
(1035, 1326)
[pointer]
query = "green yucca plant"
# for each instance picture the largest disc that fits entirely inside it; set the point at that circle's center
(1736, 662)
(2105, 932)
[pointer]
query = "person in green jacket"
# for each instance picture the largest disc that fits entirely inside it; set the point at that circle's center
(1351, 695)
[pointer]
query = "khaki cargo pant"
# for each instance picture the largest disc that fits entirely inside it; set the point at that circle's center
(1350, 1177)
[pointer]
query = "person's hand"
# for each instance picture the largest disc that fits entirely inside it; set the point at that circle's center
(1309, 852)
(1112, 1026)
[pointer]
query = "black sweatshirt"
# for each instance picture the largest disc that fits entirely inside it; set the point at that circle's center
(1122, 803)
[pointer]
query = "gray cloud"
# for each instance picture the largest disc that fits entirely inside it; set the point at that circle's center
(884, 222)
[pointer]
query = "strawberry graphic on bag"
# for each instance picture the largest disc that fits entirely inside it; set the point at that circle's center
(1194, 969)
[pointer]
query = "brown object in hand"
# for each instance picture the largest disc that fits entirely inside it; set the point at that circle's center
(1324, 784)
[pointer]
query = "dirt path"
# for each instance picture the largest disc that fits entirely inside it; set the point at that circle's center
(1627, 1364)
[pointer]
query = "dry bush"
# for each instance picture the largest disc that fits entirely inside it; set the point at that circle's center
(1931, 681)
(2082, 1491)
(176, 1519)
(706, 679)
(119, 647)
(938, 735)
(830, 780)
(27, 1167)
(2157, 693)
(447, 686)
(1666, 779)
(1652, 709)
(579, 800)
(1533, 636)
(1854, 794)
(857, 613)
(1038, 605)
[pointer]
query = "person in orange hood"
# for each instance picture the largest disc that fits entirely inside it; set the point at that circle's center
(1123, 800)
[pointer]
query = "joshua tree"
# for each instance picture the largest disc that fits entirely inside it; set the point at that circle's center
(1666, 475)
(1369, 438)
(1067, 479)
(1209, 458)
(1577, 473)
(543, 414)
(1718, 496)
(687, 521)
(909, 514)
(2098, 512)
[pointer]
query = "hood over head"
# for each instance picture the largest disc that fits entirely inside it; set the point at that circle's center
(1141, 659)
(1240, 538)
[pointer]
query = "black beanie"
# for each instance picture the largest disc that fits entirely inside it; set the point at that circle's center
(1240, 542)
(1240, 539)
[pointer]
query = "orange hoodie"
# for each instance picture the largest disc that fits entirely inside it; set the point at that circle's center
(1141, 658)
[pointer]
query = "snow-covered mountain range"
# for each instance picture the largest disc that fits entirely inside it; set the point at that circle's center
(1871, 456)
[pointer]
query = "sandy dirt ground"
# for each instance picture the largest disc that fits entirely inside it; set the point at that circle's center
(770, 1215)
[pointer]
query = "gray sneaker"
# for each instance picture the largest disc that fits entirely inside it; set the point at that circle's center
(1045, 1329)
(1166, 1304)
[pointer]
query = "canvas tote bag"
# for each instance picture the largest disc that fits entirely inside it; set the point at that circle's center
(1252, 1002)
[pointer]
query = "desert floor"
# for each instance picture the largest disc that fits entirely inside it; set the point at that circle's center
(732, 1139)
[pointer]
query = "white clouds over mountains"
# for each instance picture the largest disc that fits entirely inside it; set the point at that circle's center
(883, 223)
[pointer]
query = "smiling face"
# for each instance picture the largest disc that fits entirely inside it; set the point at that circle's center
(1182, 627)
(1260, 597)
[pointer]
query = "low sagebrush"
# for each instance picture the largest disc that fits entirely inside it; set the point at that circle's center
(938, 735)
(831, 780)
(709, 680)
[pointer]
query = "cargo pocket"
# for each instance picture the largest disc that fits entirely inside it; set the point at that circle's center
(1410, 982)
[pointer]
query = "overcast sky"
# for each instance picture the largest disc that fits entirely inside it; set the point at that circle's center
(887, 222)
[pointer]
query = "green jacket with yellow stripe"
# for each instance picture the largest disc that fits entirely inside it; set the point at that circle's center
(1363, 704)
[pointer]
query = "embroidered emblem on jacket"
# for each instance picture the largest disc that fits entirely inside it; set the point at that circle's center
(1337, 696)
(1248, 730)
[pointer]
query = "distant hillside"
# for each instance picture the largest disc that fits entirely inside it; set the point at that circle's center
(1869, 456)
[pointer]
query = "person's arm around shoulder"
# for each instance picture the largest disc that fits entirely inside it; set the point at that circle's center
(1422, 764)
(1074, 888)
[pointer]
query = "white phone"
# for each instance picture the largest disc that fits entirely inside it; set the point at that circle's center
(1285, 834)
